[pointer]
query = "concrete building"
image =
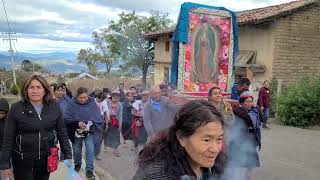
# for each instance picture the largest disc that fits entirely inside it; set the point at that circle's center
(281, 42)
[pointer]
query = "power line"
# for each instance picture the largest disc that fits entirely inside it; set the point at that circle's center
(5, 11)
(16, 50)
(10, 39)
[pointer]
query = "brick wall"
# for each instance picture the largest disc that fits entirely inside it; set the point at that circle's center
(297, 45)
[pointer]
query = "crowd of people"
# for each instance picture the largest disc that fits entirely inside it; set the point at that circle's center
(202, 139)
(209, 139)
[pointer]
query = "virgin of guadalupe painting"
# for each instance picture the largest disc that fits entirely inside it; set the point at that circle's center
(205, 45)
(205, 60)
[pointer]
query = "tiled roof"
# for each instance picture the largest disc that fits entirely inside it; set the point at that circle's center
(260, 15)
(168, 31)
(257, 16)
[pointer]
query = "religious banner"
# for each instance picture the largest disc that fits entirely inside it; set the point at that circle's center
(207, 43)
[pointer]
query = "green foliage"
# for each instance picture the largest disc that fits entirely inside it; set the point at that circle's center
(39, 68)
(27, 65)
(107, 47)
(20, 77)
(299, 104)
(273, 89)
(124, 40)
(31, 67)
(136, 51)
(14, 90)
(88, 57)
(61, 79)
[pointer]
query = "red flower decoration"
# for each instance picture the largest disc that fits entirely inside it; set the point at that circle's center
(188, 55)
(203, 87)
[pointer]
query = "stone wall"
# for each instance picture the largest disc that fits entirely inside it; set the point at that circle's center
(297, 45)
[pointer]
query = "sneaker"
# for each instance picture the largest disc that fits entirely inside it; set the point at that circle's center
(77, 168)
(90, 175)
(105, 149)
(265, 127)
(116, 153)
(98, 158)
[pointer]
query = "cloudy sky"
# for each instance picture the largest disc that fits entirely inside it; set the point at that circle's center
(66, 25)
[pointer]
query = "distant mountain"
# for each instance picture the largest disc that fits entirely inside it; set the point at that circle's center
(56, 61)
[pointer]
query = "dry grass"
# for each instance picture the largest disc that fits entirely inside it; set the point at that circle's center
(111, 82)
(11, 98)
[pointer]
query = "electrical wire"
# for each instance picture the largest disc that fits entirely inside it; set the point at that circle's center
(9, 27)
(5, 11)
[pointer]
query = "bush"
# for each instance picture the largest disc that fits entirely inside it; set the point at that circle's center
(14, 90)
(299, 104)
(273, 89)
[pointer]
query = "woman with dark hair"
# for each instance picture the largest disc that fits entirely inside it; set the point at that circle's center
(52, 86)
(32, 127)
(127, 117)
(106, 92)
(190, 148)
(102, 104)
(264, 102)
(83, 119)
(66, 90)
(245, 140)
(112, 136)
(139, 132)
(60, 97)
(225, 108)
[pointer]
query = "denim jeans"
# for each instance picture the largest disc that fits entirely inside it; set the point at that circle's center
(98, 138)
(77, 151)
(266, 114)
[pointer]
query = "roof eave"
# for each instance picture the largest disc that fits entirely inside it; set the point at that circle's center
(276, 16)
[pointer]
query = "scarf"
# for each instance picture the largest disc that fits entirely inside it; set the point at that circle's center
(83, 112)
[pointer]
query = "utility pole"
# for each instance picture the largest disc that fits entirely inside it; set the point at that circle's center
(11, 51)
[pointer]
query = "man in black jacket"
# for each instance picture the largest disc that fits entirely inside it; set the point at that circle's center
(4, 108)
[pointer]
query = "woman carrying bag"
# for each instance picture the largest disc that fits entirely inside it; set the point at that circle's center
(32, 127)
(83, 119)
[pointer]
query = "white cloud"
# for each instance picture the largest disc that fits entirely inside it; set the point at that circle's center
(47, 16)
(66, 25)
(93, 8)
(45, 45)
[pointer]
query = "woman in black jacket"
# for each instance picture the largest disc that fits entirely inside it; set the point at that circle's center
(32, 126)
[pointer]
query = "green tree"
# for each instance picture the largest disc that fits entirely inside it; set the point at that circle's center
(39, 68)
(107, 47)
(27, 65)
(129, 30)
(88, 57)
